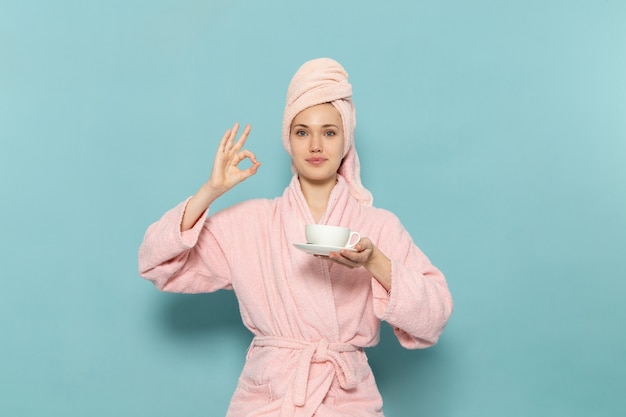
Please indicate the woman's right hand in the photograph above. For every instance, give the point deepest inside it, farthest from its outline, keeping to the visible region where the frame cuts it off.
(225, 174)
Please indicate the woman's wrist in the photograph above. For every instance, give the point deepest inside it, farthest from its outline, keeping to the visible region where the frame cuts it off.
(198, 204)
(379, 265)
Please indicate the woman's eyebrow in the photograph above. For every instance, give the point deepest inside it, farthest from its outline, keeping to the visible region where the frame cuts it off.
(302, 125)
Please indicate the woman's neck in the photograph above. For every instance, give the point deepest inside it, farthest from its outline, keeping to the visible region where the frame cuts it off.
(317, 196)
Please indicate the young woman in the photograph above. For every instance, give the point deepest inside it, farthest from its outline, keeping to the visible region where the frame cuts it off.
(311, 316)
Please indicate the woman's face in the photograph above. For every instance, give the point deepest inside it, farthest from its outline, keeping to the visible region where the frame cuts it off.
(316, 139)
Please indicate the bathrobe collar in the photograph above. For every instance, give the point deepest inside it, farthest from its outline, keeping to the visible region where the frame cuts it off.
(339, 202)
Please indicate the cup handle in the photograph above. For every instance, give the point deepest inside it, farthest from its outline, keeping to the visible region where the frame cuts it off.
(350, 245)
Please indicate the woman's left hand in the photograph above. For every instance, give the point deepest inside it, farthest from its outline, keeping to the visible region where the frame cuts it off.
(355, 258)
(367, 255)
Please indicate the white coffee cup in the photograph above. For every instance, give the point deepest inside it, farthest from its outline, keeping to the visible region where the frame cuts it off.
(321, 234)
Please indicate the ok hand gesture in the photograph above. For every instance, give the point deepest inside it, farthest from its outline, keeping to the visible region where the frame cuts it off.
(226, 172)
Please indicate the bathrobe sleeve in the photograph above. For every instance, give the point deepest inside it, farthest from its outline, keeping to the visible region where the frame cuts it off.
(419, 303)
(186, 262)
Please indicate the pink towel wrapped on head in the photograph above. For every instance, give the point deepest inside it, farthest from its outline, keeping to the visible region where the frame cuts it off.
(319, 81)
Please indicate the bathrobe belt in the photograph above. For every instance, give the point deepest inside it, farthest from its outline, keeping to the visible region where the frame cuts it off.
(312, 352)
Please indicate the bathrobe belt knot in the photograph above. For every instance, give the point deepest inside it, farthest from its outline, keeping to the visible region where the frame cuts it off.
(313, 352)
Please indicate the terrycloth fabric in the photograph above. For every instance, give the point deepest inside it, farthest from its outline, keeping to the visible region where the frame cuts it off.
(311, 353)
(311, 318)
(324, 80)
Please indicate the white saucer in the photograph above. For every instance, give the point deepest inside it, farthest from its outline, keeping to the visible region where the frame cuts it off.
(319, 249)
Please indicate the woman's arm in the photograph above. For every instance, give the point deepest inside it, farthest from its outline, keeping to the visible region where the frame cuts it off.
(413, 296)
(179, 253)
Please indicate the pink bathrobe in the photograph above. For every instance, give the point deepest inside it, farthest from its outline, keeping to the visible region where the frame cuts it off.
(311, 318)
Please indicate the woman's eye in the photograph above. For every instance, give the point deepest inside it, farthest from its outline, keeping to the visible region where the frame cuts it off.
(300, 133)
(330, 133)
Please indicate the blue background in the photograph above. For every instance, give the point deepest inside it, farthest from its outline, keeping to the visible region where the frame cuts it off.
(495, 130)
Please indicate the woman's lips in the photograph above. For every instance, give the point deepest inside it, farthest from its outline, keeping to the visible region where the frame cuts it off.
(316, 161)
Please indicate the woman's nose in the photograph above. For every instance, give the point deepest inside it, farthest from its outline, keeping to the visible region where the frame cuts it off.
(316, 144)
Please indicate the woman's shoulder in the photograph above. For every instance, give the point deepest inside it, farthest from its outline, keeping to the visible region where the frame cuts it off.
(379, 213)
(380, 221)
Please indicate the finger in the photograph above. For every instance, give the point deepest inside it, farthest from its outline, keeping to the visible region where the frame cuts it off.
(243, 138)
(351, 254)
(357, 258)
(363, 244)
(243, 155)
(224, 139)
(247, 173)
(342, 261)
(246, 154)
(231, 138)
(339, 257)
